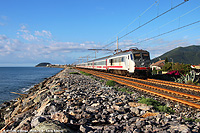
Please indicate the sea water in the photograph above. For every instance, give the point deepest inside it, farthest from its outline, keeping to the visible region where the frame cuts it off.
(20, 79)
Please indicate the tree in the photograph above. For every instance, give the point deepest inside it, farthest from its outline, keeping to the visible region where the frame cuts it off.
(166, 60)
(167, 66)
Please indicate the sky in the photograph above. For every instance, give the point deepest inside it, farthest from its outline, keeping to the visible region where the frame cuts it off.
(62, 31)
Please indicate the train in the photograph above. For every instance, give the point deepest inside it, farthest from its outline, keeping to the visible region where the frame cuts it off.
(133, 62)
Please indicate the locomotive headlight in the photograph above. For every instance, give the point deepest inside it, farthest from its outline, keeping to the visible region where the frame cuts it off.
(142, 64)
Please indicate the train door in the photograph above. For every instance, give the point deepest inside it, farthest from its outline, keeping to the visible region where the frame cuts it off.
(127, 62)
(131, 64)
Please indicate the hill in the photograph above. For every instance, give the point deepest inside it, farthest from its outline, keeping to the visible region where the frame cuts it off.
(44, 64)
(186, 55)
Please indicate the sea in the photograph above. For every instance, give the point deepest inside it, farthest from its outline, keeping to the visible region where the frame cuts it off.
(21, 79)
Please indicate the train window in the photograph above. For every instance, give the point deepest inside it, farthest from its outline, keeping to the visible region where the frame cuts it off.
(131, 57)
(122, 59)
(111, 62)
(145, 56)
(137, 56)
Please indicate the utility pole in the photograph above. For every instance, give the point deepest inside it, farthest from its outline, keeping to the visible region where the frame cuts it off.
(117, 44)
(96, 50)
(172, 63)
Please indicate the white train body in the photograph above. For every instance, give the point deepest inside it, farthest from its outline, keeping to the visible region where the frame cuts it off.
(130, 62)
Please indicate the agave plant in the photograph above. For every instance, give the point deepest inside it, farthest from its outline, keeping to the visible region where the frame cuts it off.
(188, 78)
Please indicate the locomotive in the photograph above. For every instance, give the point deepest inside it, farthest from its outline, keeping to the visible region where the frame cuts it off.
(133, 62)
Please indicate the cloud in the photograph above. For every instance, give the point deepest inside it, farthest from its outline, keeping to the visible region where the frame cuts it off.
(23, 29)
(43, 33)
(3, 37)
(38, 45)
(197, 41)
(28, 35)
(25, 34)
(161, 46)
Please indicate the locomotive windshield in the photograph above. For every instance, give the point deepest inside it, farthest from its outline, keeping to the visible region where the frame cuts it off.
(145, 56)
(138, 56)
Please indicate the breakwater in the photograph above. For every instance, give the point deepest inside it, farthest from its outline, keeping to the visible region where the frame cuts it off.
(20, 79)
(73, 102)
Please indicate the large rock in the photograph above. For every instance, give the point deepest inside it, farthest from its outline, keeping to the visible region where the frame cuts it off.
(51, 126)
(180, 128)
(60, 116)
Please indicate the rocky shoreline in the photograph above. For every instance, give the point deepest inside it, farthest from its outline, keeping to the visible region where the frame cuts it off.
(71, 102)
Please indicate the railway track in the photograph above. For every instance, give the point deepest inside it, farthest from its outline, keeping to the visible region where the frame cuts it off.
(182, 93)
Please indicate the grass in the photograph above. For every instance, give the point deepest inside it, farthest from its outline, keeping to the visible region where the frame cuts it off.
(94, 78)
(101, 81)
(110, 83)
(191, 120)
(127, 90)
(74, 73)
(157, 105)
(87, 74)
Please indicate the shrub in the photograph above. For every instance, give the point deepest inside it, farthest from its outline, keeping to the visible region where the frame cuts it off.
(87, 74)
(110, 83)
(149, 101)
(102, 81)
(127, 90)
(189, 119)
(74, 73)
(123, 89)
(157, 105)
(197, 120)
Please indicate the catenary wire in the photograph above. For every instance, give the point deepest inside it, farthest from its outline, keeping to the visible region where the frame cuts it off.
(167, 32)
(170, 21)
(146, 23)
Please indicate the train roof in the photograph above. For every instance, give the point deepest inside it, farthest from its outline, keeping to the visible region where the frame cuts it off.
(119, 53)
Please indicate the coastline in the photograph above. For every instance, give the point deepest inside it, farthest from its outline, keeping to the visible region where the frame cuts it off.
(21, 79)
(72, 102)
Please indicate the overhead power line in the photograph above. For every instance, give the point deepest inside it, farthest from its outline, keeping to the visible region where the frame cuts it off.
(147, 22)
(170, 21)
(135, 19)
(168, 32)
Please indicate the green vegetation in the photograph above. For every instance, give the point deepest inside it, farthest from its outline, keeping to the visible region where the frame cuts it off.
(127, 90)
(43, 64)
(197, 120)
(101, 81)
(110, 83)
(74, 73)
(191, 120)
(182, 68)
(157, 105)
(186, 55)
(94, 78)
(189, 78)
(87, 74)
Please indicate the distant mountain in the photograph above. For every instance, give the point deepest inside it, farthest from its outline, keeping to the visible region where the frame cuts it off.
(44, 64)
(186, 55)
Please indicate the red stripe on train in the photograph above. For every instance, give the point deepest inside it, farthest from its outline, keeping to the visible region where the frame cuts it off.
(115, 66)
(142, 68)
